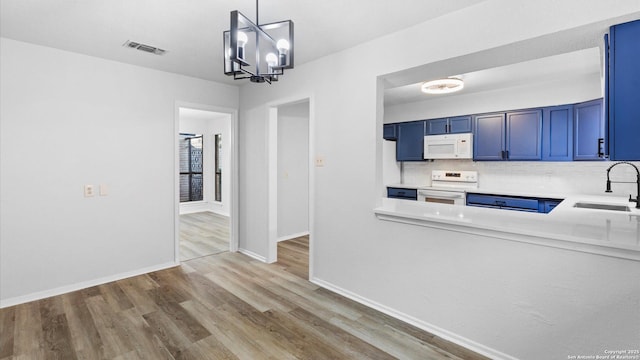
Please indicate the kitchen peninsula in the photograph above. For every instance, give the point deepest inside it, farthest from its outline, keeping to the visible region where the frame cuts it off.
(602, 232)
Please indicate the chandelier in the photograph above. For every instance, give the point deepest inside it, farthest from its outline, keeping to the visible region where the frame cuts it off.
(257, 52)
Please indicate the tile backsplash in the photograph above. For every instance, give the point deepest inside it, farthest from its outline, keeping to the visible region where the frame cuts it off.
(577, 177)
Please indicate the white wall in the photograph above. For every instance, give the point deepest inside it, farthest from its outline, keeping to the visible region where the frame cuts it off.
(504, 298)
(67, 120)
(293, 170)
(208, 124)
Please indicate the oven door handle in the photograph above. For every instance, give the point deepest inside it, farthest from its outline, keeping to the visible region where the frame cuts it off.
(441, 196)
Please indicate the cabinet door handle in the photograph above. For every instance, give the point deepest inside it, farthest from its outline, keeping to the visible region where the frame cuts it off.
(600, 146)
(506, 154)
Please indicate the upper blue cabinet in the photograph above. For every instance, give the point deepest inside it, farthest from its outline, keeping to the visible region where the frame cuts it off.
(410, 141)
(488, 137)
(389, 132)
(452, 125)
(557, 133)
(623, 95)
(588, 125)
(524, 135)
(508, 136)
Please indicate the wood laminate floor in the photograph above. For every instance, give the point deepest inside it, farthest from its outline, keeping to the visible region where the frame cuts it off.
(224, 306)
(203, 233)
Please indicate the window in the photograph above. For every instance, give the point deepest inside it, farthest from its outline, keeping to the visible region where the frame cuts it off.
(191, 181)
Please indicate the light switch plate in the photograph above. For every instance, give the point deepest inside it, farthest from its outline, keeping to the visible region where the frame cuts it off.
(104, 190)
(89, 191)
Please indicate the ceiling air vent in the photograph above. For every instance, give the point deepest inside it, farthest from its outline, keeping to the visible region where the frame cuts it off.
(144, 47)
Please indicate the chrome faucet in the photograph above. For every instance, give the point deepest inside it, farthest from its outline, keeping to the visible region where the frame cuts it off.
(637, 199)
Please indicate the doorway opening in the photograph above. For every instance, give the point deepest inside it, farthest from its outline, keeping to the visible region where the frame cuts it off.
(205, 179)
(290, 181)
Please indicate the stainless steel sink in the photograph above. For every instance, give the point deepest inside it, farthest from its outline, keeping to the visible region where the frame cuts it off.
(612, 207)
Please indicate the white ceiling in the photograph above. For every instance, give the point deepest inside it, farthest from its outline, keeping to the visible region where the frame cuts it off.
(191, 30)
(570, 66)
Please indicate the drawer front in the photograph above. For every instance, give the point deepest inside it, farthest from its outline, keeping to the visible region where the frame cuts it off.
(505, 202)
(400, 193)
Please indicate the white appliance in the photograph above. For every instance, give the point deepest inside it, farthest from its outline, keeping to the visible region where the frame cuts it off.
(449, 187)
(448, 146)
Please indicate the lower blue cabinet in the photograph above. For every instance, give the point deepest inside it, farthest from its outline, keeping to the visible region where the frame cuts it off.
(546, 205)
(402, 193)
(517, 203)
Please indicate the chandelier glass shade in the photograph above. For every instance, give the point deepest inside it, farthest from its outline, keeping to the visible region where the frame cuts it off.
(256, 52)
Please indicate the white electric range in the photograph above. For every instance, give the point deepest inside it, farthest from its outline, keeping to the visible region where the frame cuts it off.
(449, 187)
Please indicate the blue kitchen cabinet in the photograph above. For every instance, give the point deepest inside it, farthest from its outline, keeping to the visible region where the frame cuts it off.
(588, 127)
(402, 193)
(524, 135)
(460, 124)
(517, 203)
(515, 135)
(452, 125)
(436, 126)
(489, 137)
(547, 205)
(623, 95)
(557, 133)
(503, 202)
(410, 141)
(389, 132)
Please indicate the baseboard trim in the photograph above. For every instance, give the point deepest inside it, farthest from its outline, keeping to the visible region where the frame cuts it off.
(219, 212)
(293, 236)
(251, 254)
(442, 333)
(82, 285)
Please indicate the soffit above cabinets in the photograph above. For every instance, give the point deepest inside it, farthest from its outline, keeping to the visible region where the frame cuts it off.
(564, 67)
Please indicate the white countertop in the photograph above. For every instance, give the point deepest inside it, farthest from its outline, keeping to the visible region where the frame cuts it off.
(408, 186)
(605, 232)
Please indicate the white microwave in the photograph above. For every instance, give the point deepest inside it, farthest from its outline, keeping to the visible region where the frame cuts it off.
(448, 146)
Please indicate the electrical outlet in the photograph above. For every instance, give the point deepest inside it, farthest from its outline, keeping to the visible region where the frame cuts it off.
(89, 191)
(319, 161)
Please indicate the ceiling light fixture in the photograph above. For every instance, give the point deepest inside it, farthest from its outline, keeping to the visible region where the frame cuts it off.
(442, 86)
(257, 52)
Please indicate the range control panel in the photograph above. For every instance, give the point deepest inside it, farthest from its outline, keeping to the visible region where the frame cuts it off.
(454, 176)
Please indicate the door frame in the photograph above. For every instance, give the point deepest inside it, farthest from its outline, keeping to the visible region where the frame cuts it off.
(233, 206)
(272, 177)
